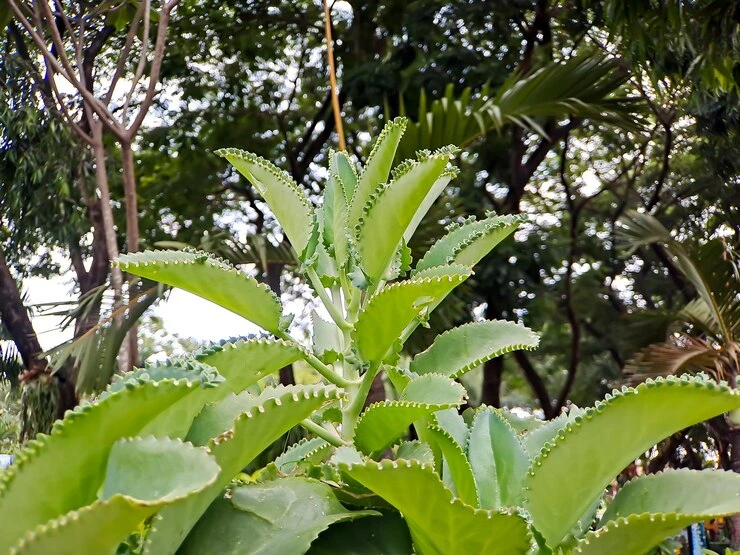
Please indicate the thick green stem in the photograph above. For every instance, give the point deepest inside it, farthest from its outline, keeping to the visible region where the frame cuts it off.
(323, 433)
(357, 396)
(333, 310)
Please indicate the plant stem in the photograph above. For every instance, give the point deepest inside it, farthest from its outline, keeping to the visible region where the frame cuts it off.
(319, 366)
(323, 433)
(334, 312)
(357, 398)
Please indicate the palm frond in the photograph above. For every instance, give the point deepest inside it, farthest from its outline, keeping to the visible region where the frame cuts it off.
(586, 87)
(684, 354)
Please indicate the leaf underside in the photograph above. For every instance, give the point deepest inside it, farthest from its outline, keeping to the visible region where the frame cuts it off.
(211, 279)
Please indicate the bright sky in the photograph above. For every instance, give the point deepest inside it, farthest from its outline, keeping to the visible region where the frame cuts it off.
(183, 314)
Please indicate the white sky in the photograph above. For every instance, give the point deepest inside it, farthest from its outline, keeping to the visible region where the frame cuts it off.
(183, 314)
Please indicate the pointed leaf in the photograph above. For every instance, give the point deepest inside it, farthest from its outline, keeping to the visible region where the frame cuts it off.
(457, 464)
(376, 169)
(633, 420)
(84, 440)
(381, 424)
(135, 487)
(440, 524)
(498, 460)
(281, 516)
(466, 347)
(535, 439)
(250, 434)
(468, 242)
(210, 278)
(652, 508)
(389, 312)
(390, 211)
(246, 361)
(283, 195)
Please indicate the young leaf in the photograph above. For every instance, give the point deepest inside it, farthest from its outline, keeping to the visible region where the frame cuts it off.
(466, 347)
(468, 242)
(498, 460)
(383, 423)
(390, 211)
(599, 444)
(281, 516)
(135, 487)
(377, 168)
(389, 312)
(210, 278)
(440, 524)
(283, 195)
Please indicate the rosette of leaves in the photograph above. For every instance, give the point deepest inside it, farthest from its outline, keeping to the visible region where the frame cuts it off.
(481, 482)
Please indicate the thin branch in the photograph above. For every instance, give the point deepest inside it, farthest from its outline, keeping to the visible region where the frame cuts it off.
(333, 78)
(123, 57)
(142, 59)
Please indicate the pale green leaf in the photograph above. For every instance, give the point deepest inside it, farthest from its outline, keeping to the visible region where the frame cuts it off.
(382, 424)
(440, 524)
(456, 465)
(468, 242)
(281, 516)
(250, 434)
(466, 347)
(210, 278)
(82, 440)
(283, 195)
(598, 445)
(498, 460)
(390, 211)
(390, 311)
(135, 487)
(376, 169)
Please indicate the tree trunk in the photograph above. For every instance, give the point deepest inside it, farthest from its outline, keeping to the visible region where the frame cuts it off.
(734, 441)
(274, 271)
(132, 232)
(492, 371)
(45, 396)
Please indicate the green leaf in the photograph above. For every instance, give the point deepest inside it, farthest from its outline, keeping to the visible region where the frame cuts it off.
(135, 488)
(536, 438)
(82, 440)
(440, 524)
(283, 195)
(466, 347)
(652, 508)
(381, 424)
(468, 242)
(384, 535)
(599, 444)
(308, 449)
(210, 278)
(498, 460)
(376, 169)
(456, 464)
(251, 432)
(282, 516)
(390, 211)
(390, 311)
(246, 361)
(326, 339)
(416, 450)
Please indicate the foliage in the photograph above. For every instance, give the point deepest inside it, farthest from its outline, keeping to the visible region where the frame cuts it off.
(483, 481)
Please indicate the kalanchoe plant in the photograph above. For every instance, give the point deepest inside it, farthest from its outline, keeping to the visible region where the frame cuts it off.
(484, 481)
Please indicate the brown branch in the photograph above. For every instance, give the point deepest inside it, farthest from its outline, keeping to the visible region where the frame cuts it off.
(535, 382)
(333, 78)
